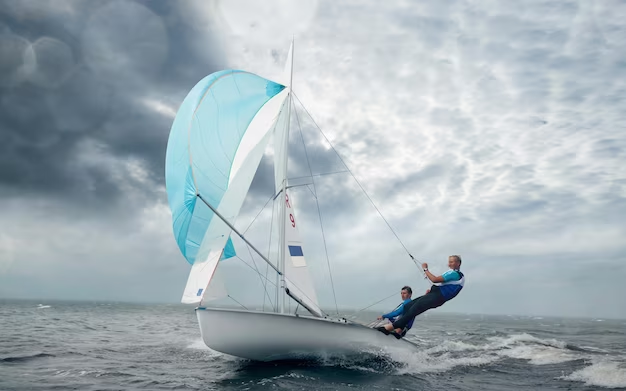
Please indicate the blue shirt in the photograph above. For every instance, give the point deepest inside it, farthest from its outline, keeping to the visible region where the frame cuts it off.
(395, 314)
(453, 281)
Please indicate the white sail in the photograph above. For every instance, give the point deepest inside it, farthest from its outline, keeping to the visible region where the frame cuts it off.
(297, 277)
(201, 273)
(216, 289)
(296, 274)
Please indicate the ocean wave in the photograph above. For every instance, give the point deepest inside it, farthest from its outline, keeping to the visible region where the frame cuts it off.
(77, 373)
(425, 363)
(590, 349)
(511, 340)
(608, 374)
(538, 355)
(26, 358)
(450, 354)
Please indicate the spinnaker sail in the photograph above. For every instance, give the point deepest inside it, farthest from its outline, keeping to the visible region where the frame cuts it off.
(215, 145)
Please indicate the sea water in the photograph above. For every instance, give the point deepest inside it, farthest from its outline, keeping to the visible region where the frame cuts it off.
(119, 346)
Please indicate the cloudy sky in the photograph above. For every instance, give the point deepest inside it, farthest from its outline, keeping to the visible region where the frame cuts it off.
(478, 128)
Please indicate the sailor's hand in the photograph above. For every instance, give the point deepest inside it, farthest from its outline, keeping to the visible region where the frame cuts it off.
(424, 265)
(427, 290)
(380, 318)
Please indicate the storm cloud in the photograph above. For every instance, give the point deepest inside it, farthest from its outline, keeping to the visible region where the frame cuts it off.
(477, 128)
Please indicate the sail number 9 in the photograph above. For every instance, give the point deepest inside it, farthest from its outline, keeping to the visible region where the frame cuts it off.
(293, 220)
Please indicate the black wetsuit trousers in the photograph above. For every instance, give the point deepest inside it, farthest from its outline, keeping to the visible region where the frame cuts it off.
(433, 299)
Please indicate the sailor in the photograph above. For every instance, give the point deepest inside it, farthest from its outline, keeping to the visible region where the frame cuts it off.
(394, 315)
(445, 288)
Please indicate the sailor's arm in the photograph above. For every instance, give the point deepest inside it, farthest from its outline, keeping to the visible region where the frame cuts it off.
(431, 276)
(396, 312)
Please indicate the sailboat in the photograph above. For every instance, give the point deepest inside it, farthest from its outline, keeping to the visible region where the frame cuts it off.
(215, 145)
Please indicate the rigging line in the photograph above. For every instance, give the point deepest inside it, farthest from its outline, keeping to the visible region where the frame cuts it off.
(247, 264)
(269, 250)
(258, 214)
(319, 212)
(379, 301)
(314, 195)
(322, 174)
(305, 295)
(277, 290)
(265, 288)
(357, 181)
(257, 270)
(238, 302)
(225, 221)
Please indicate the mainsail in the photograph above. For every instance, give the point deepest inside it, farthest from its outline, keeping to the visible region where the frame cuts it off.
(297, 278)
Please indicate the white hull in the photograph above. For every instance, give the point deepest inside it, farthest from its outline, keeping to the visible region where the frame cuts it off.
(266, 336)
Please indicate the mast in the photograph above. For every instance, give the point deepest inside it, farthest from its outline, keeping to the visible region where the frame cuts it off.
(283, 206)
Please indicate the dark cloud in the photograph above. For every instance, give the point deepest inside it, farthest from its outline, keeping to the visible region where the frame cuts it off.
(95, 72)
(262, 185)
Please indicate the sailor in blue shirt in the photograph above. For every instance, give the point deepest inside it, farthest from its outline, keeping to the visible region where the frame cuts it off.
(445, 287)
(394, 315)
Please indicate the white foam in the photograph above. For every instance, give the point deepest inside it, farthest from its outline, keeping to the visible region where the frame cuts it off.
(41, 306)
(441, 358)
(292, 375)
(450, 354)
(198, 344)
(539, 355)
(607, 374)
(516, 339)
(425, 363)
(456, 346)
(536, 350)
(75, 373)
